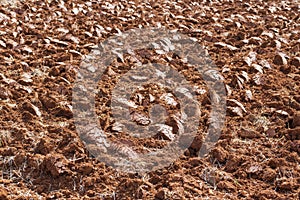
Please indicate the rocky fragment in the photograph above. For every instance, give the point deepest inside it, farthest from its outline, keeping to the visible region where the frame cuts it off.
(140, 118)
(280, 59)
(233, 102)
(235, 111)
(249, 134)
(166, 132)
(253, 169)
(248, 95)
(250, 58)
(25, 79)
(31, 108)
(230, 47)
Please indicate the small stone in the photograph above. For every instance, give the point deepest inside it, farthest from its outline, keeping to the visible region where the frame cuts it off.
(140, 118)
(117, 127)
(166, 133)
(248, 95)
(254, 169)
(25, 79)
(271, 132)
(280, 59)
(31, 108)
(250, 134)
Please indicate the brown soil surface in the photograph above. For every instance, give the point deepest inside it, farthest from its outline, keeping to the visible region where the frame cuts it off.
(256, 46)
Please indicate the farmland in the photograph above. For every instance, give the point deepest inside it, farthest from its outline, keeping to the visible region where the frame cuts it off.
(255, 47)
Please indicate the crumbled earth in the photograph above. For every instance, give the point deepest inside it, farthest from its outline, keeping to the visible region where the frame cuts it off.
(256, 46)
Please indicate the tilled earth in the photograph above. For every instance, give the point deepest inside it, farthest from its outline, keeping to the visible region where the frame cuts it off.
(256, 47)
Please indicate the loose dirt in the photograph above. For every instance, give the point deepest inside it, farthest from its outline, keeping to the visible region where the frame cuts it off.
(256, 48)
